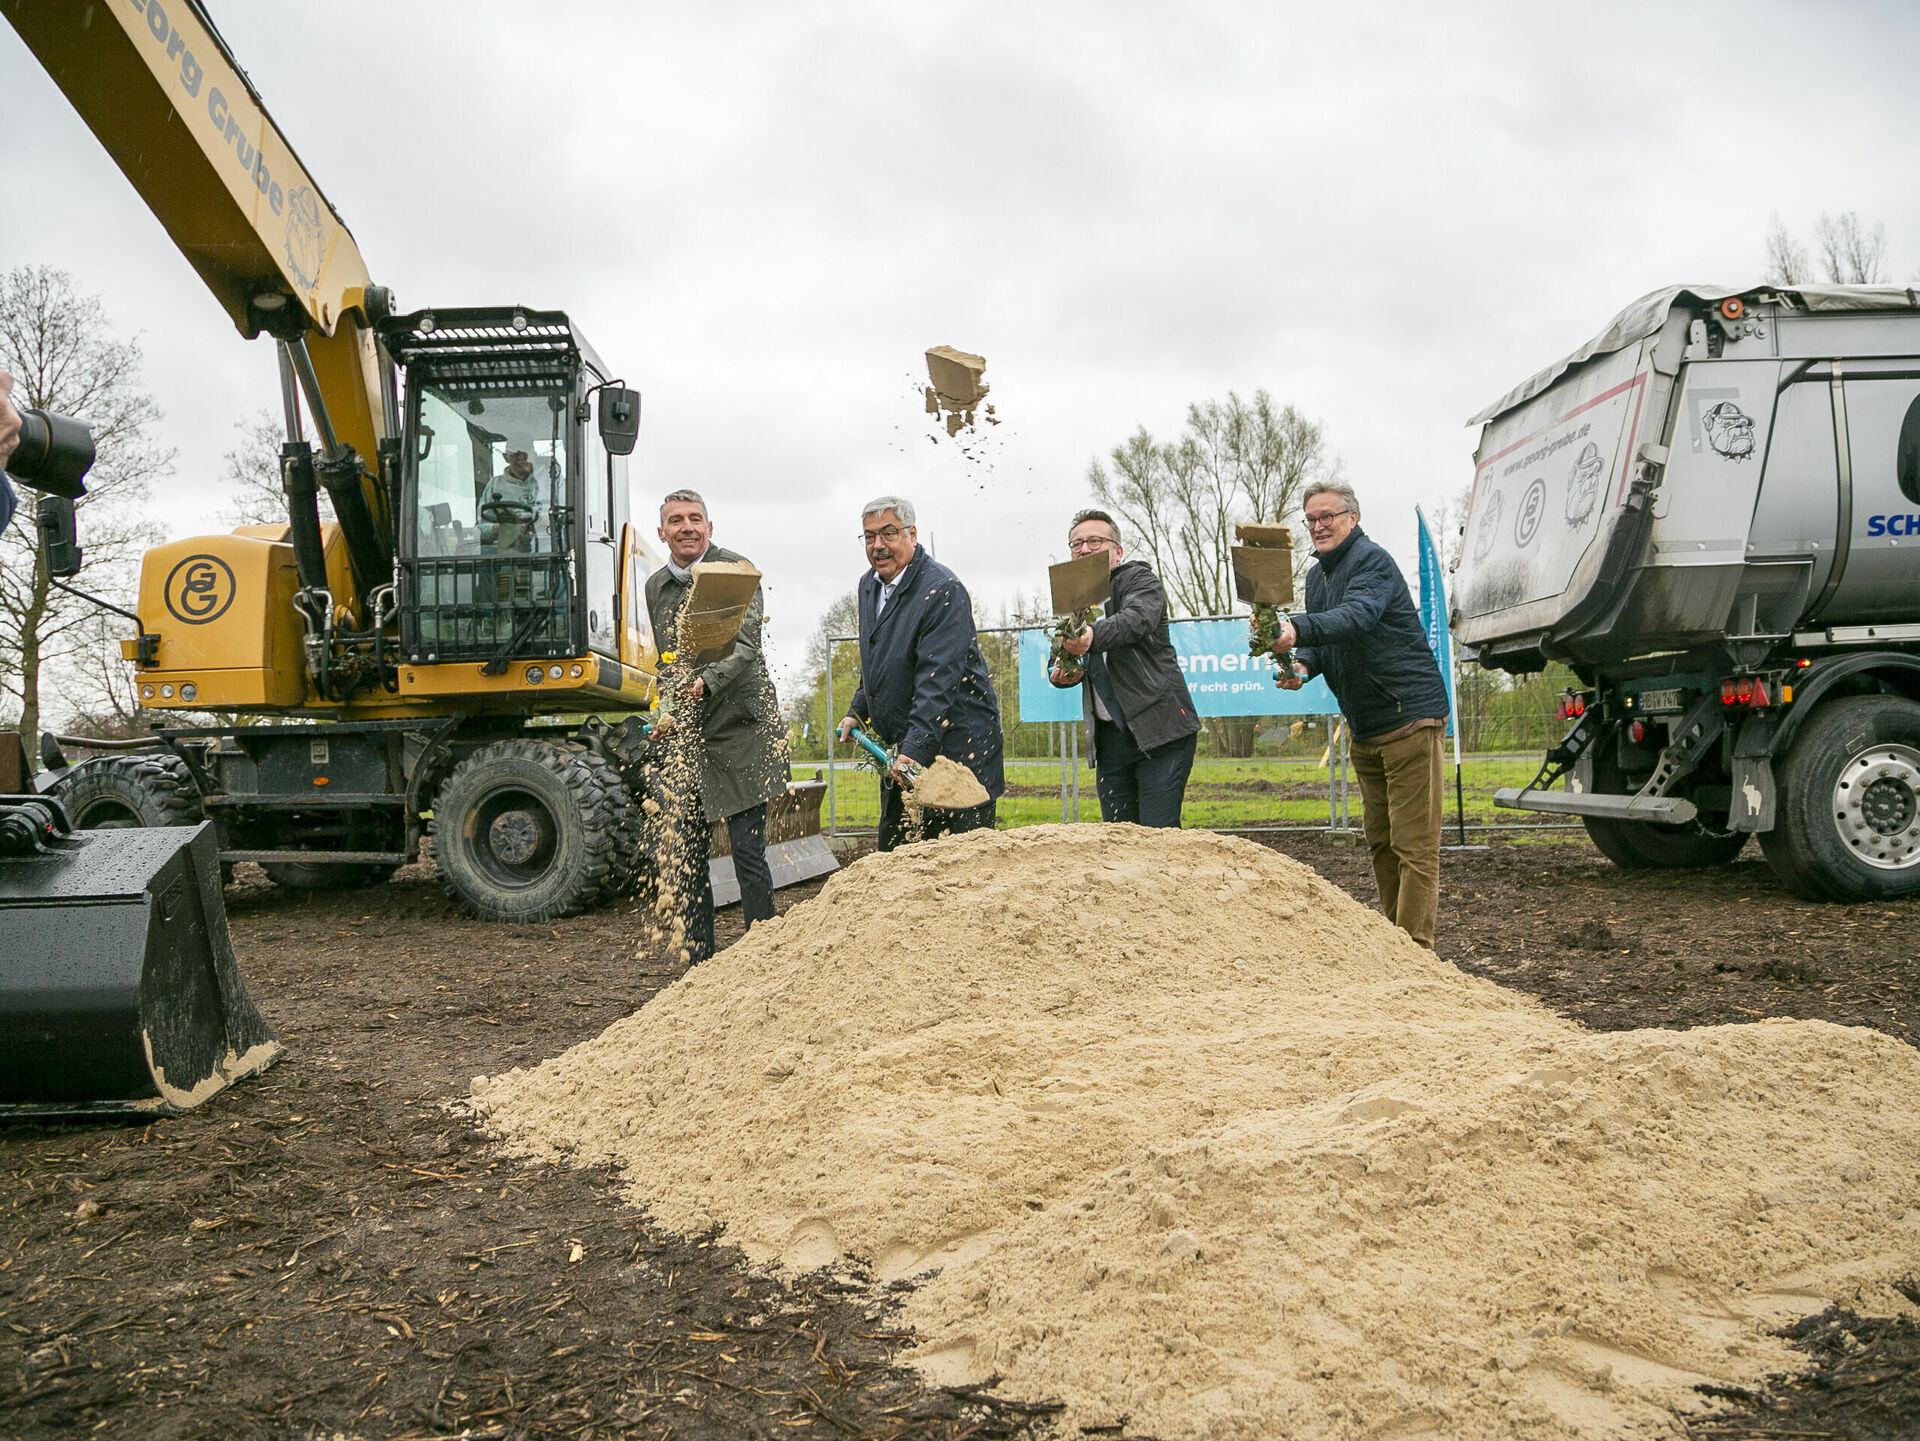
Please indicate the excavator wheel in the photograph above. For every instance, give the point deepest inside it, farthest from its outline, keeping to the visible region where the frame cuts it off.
(122, 792)
(528, 830)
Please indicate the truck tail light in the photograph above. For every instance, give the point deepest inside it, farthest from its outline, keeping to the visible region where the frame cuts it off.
(1637, 732)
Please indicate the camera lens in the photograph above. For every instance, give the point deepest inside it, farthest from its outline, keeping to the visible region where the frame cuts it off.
(54, 454)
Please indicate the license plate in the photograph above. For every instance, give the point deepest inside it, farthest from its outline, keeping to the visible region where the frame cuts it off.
(1675, 699)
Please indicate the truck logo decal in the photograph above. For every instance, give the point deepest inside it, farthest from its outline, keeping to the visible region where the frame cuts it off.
(1583, 484)
(1526, 520)
(1729, 430)
(305, 238)
(1893, 525)
(1489, 526)
(199, 589)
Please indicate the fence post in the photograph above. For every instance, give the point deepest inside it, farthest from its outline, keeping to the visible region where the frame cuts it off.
(833, 720)
(1074, 733)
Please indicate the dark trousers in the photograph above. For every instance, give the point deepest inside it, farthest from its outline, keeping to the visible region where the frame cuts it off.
(1144, 787)
(691, 881)
(747, 835)
(894, 830)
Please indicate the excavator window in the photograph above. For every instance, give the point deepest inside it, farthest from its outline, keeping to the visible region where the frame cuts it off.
(493, 523)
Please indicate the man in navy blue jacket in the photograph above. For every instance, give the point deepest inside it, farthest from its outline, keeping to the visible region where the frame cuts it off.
(1361, 631)
(923, 682)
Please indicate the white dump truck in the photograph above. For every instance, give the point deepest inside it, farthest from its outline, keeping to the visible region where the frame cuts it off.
(1711, 513)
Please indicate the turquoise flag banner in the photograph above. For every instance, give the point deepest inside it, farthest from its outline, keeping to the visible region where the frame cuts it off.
(1433, 609)
(1222, 678)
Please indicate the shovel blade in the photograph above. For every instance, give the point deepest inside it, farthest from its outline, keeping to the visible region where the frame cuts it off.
(1077, 584)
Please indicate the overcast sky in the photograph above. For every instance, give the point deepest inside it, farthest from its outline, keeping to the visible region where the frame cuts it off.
(762, 214)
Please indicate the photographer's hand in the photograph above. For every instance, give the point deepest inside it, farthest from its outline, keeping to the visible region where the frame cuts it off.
(9, 420)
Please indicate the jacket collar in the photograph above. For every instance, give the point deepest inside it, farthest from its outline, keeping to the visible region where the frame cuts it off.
(909, 576)
(1330, 562)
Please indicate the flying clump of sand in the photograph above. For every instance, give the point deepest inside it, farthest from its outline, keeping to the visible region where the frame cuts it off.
(1173, 1130)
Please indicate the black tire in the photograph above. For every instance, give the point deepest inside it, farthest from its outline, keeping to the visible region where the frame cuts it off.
(529, 830)
(302, 876)
(1641, 845)
(1847, 824)
(125, 792)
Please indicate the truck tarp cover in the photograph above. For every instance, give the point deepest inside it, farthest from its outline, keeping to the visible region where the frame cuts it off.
(1556, 456)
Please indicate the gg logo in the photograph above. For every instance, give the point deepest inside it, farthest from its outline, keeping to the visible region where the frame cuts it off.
(199, 589)
(1533, 505)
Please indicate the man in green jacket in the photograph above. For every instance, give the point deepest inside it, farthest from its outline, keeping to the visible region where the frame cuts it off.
(727, 750)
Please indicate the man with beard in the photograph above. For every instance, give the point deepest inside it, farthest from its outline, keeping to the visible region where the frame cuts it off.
(923, 681)
(735, 749)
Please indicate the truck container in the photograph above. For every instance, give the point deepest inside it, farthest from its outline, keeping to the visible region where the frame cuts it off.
(1711, 513)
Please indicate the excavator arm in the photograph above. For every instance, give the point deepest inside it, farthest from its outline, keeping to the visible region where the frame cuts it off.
(157, 85)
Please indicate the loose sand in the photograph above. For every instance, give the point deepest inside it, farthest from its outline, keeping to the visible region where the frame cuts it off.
(946, 785)
(1173, 1130)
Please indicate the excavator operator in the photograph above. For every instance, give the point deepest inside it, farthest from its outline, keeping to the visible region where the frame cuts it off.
(511, 510)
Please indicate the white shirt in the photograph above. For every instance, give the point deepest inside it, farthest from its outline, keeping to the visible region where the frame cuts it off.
(685, 577)
(887, 588)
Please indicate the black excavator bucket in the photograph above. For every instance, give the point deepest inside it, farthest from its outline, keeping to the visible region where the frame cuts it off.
(118, 989)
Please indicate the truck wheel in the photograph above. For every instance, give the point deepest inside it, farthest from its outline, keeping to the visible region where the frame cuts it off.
(634, 843)
(1639, 845)
(1848, 826)
(527, 830)
(302, 876)
(124, 792)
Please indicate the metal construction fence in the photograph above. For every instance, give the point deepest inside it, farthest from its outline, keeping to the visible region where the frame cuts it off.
(1251, 772)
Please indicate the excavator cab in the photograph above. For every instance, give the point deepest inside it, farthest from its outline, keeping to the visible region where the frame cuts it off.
(513, 490)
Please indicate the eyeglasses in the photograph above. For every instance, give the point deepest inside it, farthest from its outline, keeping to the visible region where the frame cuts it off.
(1321, 522)
(889, 534)
(1091, 542)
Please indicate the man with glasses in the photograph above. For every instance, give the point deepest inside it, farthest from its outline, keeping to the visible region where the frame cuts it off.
(1136, 705)
(1361, 631)
(923, 682)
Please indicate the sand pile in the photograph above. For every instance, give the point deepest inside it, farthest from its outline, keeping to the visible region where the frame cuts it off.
(1184, 1134)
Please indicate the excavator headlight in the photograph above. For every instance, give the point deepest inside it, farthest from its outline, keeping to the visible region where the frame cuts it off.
(166, 692)
(576, 671)
(535, 675)
(556, 671)
(189, 691)
(146, 692)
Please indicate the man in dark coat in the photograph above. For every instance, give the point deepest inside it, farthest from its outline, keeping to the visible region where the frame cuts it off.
(923, 682)
(1135, 702)
(736, 761)
(1361, 631)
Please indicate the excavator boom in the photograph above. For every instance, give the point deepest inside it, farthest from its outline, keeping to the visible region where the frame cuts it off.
(158, 86)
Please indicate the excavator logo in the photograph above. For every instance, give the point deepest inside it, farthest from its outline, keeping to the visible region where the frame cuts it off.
(199, 589)
(306, 240)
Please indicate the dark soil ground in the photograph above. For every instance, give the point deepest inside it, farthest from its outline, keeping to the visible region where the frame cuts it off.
(328, 1251)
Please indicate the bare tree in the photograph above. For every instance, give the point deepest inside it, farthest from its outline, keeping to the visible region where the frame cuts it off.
(1236, 460)
(65, 357)
(1850, 255)
(256, 496)
(1787, 262)
(1847, 252)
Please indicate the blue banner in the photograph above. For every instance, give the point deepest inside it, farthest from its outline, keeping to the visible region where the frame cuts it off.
(1222, 678)
(1433, 609)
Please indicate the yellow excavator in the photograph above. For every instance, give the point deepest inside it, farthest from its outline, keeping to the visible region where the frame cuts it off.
(457, 658)
(480, 583)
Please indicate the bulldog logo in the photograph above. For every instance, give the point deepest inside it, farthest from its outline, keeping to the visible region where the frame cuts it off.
(305, 237)
(1583, 485)
(1729, 430)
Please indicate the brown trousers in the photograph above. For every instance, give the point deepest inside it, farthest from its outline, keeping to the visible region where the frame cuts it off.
(1400, 787)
